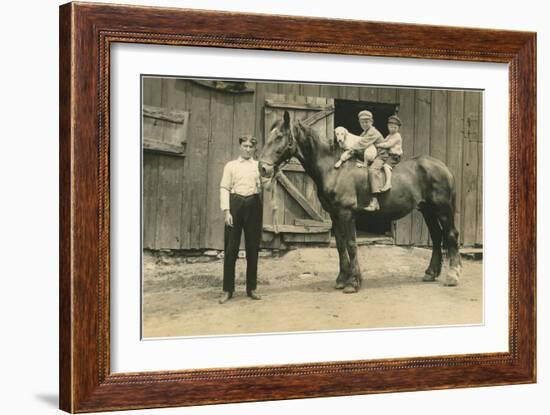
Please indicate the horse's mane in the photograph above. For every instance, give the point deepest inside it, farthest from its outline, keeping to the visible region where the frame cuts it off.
(325, 143)
(309, 132)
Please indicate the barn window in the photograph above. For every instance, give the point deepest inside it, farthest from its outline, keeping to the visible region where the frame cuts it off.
(164, 130)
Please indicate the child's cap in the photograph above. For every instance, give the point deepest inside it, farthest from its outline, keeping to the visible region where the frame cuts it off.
(394, 119)
(365, 114)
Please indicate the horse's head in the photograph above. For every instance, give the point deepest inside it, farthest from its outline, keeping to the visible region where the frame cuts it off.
(280, 146)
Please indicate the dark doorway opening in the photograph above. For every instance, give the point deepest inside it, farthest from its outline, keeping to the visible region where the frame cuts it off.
(345, 115)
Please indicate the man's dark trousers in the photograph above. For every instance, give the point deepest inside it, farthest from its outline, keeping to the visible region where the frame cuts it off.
(247, 216)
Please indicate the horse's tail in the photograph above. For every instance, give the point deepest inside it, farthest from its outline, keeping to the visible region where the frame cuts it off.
(439, 189)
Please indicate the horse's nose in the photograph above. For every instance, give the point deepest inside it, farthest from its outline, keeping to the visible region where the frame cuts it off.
(265, 170)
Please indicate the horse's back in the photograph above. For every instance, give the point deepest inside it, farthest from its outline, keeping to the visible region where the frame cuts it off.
(433, 178)
(415, 182)
(425, 165)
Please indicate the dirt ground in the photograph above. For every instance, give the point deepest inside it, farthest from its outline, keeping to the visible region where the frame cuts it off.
(181, 298)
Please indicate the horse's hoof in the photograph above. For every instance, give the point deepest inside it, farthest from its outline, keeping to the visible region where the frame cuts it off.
(428, 278)
(350, 289)
(452, 277)
(339, 285)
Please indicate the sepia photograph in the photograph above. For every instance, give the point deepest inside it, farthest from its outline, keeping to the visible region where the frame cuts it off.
(277, 207)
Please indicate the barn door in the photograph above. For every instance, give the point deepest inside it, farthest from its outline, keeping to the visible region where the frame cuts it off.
(292, 211)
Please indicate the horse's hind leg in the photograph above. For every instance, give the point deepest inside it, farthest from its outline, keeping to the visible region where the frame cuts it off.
(446, 218)
(436, 233)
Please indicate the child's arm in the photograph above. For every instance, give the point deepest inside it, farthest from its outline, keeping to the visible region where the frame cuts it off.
(364, 143)
(390, 142)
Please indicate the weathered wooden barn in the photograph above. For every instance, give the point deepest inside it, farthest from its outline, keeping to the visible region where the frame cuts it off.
(190, 130)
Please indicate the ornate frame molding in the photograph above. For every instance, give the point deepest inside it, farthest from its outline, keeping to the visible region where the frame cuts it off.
(86, 33)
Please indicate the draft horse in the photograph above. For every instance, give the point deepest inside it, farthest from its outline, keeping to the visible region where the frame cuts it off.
(422, 183)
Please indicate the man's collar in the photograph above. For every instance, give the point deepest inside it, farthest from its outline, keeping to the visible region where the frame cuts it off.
(241, 159)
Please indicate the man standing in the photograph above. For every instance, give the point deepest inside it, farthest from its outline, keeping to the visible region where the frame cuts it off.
(241, 203)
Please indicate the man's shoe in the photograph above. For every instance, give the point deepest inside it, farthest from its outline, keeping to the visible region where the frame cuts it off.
(226, 297)
(252, 294)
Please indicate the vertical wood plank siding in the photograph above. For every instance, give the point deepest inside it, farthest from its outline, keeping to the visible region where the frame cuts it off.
(455, 141)
(479, 198)
(181, 197)
(472, 104)
(403, 227)
(220, 150)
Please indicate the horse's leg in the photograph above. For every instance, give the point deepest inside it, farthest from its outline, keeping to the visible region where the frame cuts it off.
(436, 233)
(353, 283)
(446, 218)
(342, 253)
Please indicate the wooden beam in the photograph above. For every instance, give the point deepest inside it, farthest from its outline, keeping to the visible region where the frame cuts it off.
(315, 238)
(233, 87)
(150, 144)
(298, 196)
(298, 106)
(317, 116)
(309, 222)
(296, 229)
(178, 117)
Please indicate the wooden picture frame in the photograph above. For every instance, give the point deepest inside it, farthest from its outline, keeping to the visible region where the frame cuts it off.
(86, 33)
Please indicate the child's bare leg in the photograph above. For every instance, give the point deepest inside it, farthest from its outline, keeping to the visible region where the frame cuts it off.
(346, 155)
(387, 185)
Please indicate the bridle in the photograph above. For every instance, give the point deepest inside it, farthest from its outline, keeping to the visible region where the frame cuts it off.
(291, 148)
(291, 145)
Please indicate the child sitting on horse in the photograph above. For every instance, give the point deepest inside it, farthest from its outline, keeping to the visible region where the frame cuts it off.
(389, 154)
(347, 141)
(392, 144)
(364, 146)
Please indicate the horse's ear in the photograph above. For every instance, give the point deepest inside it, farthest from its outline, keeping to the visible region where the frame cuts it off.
(286, 119)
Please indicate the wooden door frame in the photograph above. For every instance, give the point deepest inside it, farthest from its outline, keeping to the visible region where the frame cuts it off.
(316, 224)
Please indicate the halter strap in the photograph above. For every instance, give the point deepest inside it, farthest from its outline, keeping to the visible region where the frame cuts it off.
(293, 142)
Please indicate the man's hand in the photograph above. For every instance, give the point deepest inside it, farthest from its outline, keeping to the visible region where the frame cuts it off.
(228, 218)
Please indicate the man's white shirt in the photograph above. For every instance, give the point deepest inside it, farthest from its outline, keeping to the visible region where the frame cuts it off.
(240, 176)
